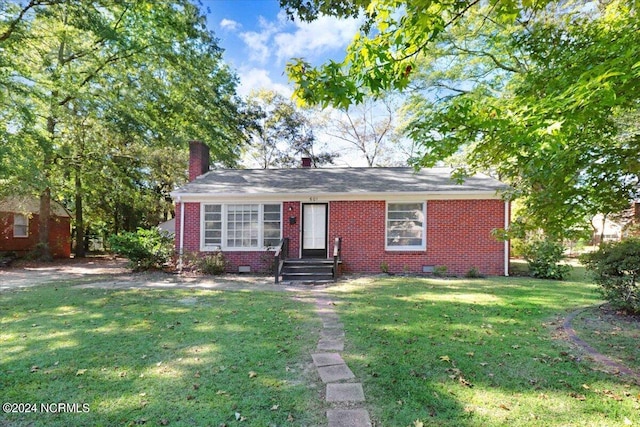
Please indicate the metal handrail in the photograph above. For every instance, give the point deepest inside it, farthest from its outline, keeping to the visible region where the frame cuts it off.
(337, 254)
(280, 255)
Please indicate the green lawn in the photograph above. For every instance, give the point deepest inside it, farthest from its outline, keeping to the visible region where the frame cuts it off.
(432, 352)
(486, 352)
(158, 357)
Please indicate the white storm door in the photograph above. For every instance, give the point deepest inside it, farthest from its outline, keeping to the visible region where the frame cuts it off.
(314, 230)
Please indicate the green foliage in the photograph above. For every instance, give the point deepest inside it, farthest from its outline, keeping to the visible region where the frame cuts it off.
(144, 249)
(440, 270)
(384, 267)
(473, 273)
(542, 94)
(283, 133)
(543, 257)
(98, 103)
(214, 264)
(616, 268)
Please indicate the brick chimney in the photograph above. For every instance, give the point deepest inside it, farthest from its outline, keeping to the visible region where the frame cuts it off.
(198, 159)
(306, 162)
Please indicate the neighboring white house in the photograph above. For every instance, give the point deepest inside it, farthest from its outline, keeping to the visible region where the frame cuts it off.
(610, 230)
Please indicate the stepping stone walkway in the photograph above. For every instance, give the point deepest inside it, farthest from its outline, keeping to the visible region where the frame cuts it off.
(343, 393)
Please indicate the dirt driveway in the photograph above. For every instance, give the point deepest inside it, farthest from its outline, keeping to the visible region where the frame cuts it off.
(111, 273)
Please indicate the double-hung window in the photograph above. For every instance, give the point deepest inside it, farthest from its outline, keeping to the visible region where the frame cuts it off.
(241, 226)
(406, 226)
(20, 225)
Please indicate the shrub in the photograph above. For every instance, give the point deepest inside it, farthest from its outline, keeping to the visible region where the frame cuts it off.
(211, 264)
(473, 273)
(440, 270)
(616, 267)
(144, 249)
(384, 267)
(543, 257)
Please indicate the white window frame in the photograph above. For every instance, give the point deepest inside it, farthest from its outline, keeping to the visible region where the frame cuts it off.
(224, 209)
(25, 225)
(409, 248)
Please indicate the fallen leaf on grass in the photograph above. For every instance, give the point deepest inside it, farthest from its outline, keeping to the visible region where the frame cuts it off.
(275, 407)
(418, 423)
(252, 374)
(219, 392)
(290, 418)
(581, 397)
(445, 358)
(505, 407)
(34, 368)
(80, 372)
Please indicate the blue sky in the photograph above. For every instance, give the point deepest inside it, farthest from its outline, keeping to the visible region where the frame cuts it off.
(259, 40)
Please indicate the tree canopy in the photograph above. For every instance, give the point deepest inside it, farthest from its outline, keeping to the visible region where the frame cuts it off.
(99, 100)
(541, 94)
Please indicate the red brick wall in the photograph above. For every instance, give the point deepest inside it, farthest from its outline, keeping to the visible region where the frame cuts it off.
(191, 227)
(292, 231)
(198, 159)
(59, 235)
(458, 237)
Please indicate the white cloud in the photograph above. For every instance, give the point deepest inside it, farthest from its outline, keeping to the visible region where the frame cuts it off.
(230, 24)
(284, 39)
(258, 78)
(259, 42)
(314, 38)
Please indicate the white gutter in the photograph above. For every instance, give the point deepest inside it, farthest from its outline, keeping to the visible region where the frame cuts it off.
(181, 246)
(323, 197)
(506, 242)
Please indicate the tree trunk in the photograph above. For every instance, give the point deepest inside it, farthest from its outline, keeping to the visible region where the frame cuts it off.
(80, 248)
(604, 222)
(43, 251)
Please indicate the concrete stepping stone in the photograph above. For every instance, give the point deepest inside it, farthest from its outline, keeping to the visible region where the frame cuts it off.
(334, 373)
(332, 334)
(327, 359)
(350, 392)
(331, 324)
(327, 344)
(348, 418)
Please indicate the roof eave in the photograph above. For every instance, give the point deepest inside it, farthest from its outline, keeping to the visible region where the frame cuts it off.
(325, 197)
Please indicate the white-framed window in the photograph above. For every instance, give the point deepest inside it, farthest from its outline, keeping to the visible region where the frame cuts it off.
(20, 225)
(406, 227)
(246, 226)
(212, 225)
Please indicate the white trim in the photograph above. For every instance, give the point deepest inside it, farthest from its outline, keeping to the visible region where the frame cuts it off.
(223, 217)
(335, 197)
(506, 242)
(181, 245)
(420, 248)
(25, 225)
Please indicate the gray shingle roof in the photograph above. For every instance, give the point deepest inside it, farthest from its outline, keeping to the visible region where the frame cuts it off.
(346, 181)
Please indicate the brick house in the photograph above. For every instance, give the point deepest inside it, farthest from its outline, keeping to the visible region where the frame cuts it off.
(19, 224)
(392, 219)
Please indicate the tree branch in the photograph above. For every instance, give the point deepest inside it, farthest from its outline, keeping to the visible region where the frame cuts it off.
(14, 24)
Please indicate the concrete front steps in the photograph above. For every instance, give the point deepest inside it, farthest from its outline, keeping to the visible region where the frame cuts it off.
(308, 270)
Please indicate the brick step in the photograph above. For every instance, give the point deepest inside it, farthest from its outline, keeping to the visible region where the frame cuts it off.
(308, 270)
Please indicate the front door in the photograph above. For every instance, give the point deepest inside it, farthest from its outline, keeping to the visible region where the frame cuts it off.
(314, 230)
